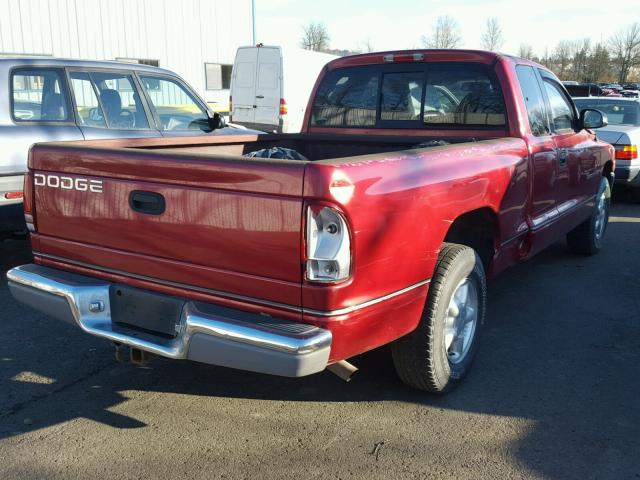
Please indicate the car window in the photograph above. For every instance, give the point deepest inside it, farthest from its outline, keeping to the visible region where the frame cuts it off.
(462, 95)
(346, 98)
(120, 100)
(39, 95)
(562, 116)
(87, 106)
(401, 96)
(617, 112)
(533, 100)
(174, 105)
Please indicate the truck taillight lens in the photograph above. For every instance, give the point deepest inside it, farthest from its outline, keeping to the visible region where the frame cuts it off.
(230, 104)
(626, 152)
(328, 245)
(283, 107)
(29, 213)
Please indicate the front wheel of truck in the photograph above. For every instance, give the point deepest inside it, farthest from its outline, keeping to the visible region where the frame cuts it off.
(587, 238)
(439, 352)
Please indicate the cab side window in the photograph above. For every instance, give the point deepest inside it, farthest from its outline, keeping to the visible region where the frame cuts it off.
(39, 95)
(533, 100)
(562, 115)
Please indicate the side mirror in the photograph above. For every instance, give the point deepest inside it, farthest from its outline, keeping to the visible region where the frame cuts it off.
(217, 121)
(592, 118)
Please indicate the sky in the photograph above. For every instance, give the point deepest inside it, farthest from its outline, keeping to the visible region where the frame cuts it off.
(400, 24)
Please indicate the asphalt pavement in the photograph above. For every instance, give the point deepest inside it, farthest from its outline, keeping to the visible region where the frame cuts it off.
(554, 393)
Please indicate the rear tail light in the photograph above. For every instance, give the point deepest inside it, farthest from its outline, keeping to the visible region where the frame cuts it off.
(328, 245)
(626, 152)
(230, 104)
(28, 202)
(283, 107)
(13, 195)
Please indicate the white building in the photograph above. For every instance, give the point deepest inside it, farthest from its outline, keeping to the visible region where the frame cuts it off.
(195, 38)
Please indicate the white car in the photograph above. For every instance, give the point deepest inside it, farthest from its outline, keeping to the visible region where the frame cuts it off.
(623, 132)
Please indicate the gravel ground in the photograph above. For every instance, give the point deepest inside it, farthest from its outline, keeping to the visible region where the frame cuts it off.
(554, 393)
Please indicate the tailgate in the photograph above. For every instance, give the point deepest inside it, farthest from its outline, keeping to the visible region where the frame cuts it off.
(227, 225)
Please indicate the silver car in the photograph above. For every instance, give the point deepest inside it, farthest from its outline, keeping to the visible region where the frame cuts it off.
(50, 99)
(623, 132)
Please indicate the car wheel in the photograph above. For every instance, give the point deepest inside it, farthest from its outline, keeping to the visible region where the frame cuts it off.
(587, 238)
(439, 352)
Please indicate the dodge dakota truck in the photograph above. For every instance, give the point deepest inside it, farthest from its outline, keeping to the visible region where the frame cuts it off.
(420, 174)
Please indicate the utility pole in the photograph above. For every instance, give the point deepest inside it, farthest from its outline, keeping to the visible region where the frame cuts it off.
(253, 22)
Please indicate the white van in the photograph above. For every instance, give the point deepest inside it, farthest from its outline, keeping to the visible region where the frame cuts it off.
(270, 86)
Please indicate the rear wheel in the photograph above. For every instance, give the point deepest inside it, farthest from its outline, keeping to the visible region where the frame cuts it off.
(587, 238)
(439, 353)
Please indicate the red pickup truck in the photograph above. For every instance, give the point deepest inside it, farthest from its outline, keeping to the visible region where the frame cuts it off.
(421, 174)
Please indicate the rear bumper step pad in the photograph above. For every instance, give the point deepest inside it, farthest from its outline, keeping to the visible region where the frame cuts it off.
(206, 333)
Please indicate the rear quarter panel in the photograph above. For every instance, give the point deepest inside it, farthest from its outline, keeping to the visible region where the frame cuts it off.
(404, 203)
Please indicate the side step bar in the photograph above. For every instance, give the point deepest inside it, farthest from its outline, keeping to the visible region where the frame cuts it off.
(206, 332)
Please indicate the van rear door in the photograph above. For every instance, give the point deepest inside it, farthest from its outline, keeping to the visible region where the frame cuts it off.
(243, 86)
(268, 86)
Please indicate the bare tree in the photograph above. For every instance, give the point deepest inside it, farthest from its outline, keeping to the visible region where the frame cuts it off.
(492, 37)
(525, 51)
(366, 46)
(580, 57)
(562, 57)
(598, 67)
(315, 36)
(625, 49)
(446, 34)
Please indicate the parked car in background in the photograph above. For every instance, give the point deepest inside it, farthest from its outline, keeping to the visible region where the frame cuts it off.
(583, 89)
(50, 99)
(417, 175)
(623, 132)
(270, 86)
(630, 93)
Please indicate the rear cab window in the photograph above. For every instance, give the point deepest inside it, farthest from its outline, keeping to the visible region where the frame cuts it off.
(435, 95)
(39, 95)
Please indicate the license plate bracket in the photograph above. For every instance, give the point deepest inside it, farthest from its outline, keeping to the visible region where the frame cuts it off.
(153, 312)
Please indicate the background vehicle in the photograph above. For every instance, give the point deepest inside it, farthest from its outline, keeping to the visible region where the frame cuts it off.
(425, 172)
(270, 86)
(623, 132)
(584, 89)
(55, 99)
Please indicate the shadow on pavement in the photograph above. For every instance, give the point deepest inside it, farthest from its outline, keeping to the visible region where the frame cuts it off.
(561, 349)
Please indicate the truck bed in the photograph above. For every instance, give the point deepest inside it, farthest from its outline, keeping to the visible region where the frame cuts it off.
(312, 146)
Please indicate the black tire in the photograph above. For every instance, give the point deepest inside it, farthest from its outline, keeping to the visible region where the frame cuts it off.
(587, 238)
(421, 358)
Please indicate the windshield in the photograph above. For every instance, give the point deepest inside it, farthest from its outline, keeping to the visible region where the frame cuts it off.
(617, 112)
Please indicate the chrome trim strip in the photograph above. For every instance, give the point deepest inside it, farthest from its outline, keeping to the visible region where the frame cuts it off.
(235, 296)
(550, 216)
(81, 297)
(342, 311)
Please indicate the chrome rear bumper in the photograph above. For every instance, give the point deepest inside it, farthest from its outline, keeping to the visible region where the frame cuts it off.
(205, 332)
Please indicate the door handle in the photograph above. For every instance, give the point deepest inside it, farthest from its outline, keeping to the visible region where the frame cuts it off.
(150, 203)
(259, 96)
(563, 155)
